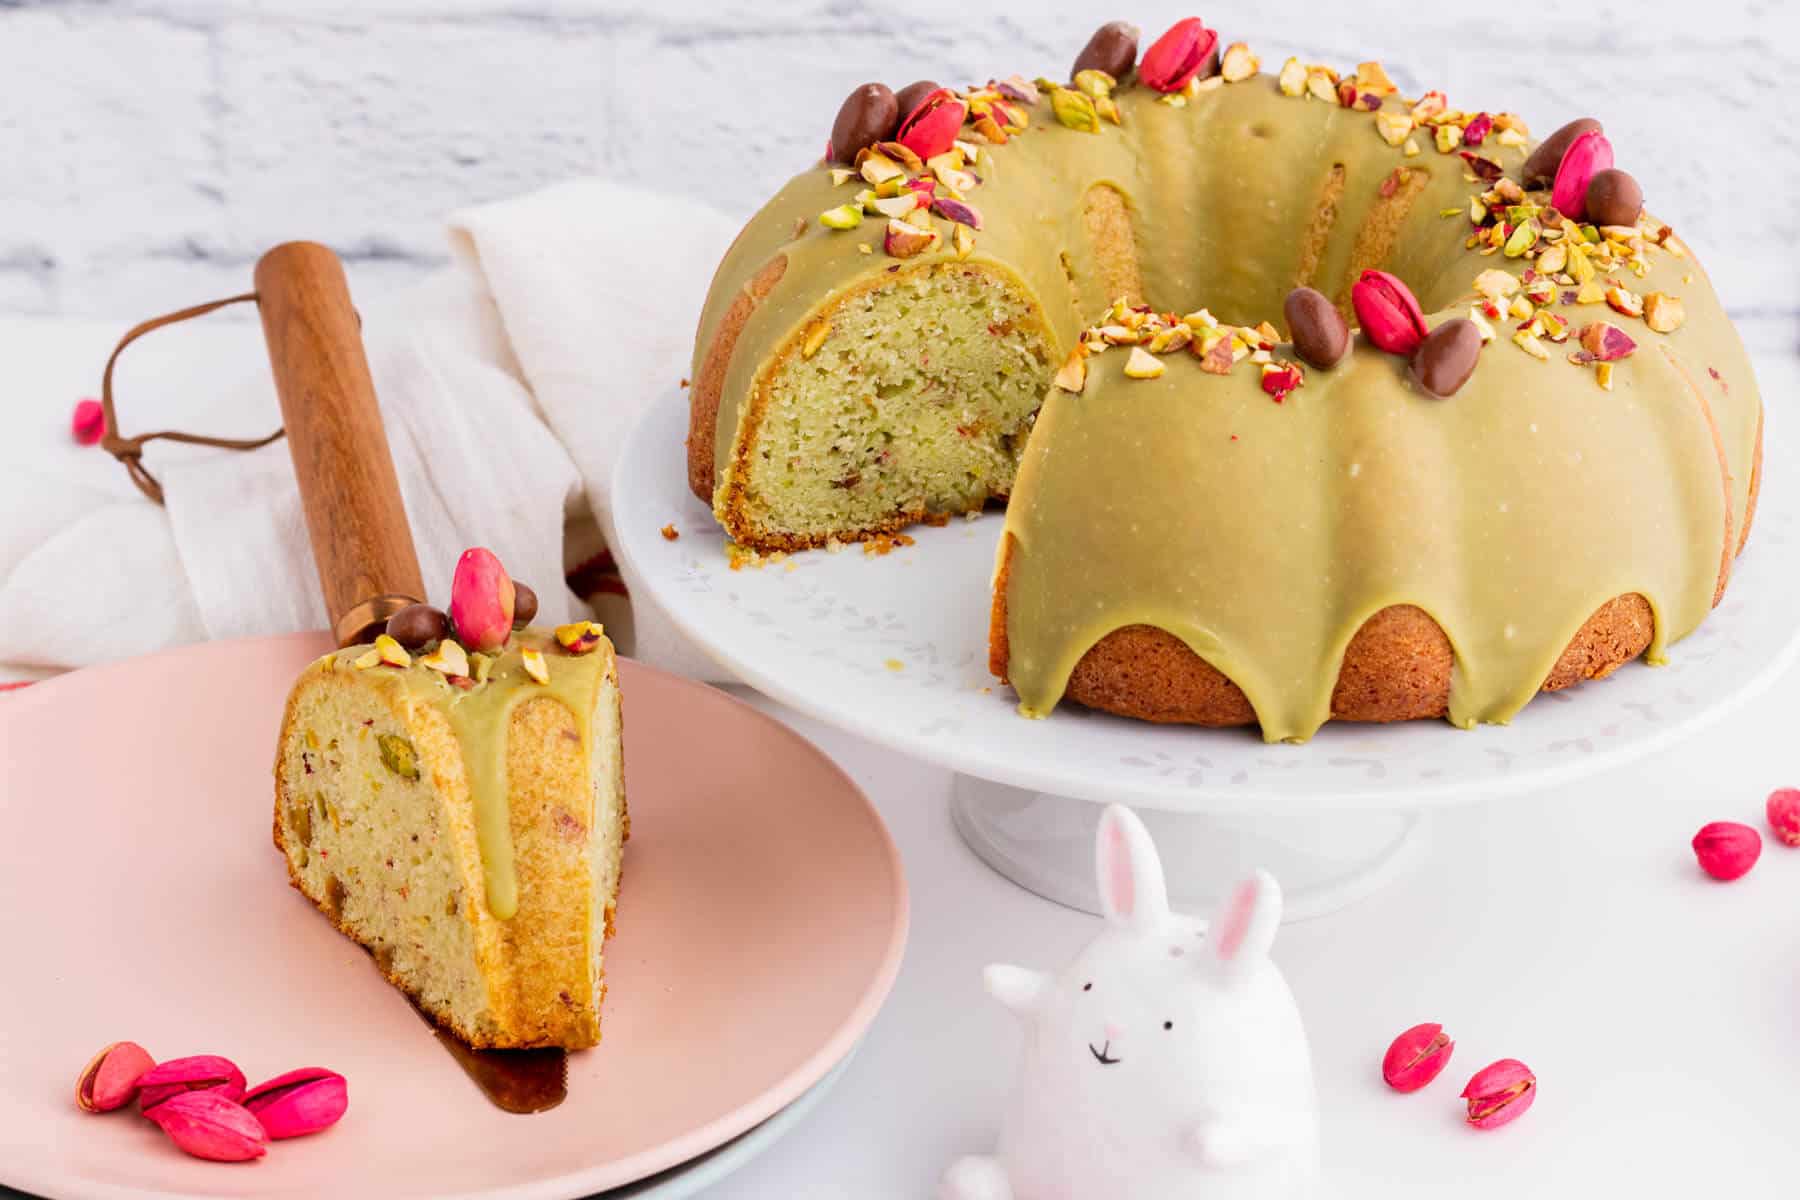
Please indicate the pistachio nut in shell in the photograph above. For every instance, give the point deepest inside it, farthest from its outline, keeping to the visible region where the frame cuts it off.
(908, 98)
(1783, 810)
(110, 1080)
(195, 1073)
(1727, 850)
(930, 129)
(1416, 1057)
(1388, 312)
(299, 1102)
(1587, 156)
(1500, 1093)
(1540, 167)
(212, 1126)
(481, 600)
(1187, 50)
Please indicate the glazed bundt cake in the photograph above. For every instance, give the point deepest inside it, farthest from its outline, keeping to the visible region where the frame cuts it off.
(1503, 437)
(461, 815)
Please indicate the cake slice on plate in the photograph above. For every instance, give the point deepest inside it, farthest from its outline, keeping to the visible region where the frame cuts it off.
(461, 814)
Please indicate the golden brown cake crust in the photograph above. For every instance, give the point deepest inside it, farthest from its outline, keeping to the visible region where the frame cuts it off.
(1397, 667)
(732, 505)
(703, 396)
(540, 989)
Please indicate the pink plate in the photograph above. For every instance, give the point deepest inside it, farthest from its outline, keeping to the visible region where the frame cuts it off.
(760, 927)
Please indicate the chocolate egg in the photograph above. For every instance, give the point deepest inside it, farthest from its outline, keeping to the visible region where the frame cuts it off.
(417, 625)
(869, 115)
(1614, 198)
(525, 605)
(1320, 334)
(1447, 357)
(1112, 49)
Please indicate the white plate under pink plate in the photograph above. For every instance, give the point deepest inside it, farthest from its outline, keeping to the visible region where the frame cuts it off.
(760, 927)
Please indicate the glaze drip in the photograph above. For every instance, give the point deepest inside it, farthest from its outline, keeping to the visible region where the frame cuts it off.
(480, 717)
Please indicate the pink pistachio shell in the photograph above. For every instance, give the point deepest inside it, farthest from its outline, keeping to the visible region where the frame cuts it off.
(481, 601)
(111, 1080)
(1476, 131)
(1587, 155)
(1416, 1057)
(1178, 55)
(1500, 1093)
(1726, 849)
(199, 1072)
(1388, 313)
(88, 422)
(208, 1125)
(299, 1102)
(1784, 814)
(930, 129)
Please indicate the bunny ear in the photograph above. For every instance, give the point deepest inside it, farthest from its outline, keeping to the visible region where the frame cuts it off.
(1240, 935)
(1018, 988)
(1129, 872)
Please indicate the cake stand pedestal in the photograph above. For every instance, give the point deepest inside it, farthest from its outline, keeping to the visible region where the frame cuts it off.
(893, 648)
(1045, 844)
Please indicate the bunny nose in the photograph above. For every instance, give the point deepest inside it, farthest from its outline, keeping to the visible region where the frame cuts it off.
(1114, 1033)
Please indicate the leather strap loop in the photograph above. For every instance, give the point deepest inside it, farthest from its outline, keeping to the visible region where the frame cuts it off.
(130, 451)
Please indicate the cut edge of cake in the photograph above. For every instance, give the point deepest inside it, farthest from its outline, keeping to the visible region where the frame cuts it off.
(372, 752)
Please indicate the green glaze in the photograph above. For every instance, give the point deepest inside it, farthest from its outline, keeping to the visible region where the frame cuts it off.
(480, 718)
(1264, 534)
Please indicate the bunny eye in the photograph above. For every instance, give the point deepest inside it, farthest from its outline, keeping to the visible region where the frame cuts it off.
(1168, 1024)
(1087, 987)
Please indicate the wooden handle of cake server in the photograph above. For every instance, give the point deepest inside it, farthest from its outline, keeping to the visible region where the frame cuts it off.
(360, 537)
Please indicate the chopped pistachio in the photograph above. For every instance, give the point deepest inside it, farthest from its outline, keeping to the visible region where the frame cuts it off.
(1073, 375)
(1292, 79)
(844, 216)
(964, 241)
(1663, 312)
(1143, 365)
(1394, 127)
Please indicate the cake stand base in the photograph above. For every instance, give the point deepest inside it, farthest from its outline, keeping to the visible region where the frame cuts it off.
(1325, 861)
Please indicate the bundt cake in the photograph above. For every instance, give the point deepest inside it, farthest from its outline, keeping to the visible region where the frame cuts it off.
(461, 815)
(1504, 437)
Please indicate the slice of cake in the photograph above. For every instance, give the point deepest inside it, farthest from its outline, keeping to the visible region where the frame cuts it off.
(461, 815)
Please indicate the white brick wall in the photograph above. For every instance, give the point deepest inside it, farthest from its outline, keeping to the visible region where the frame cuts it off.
(150, 149)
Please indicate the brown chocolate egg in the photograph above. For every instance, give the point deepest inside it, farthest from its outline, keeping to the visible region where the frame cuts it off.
(1447, 357)
(1614, 198)
(525, 605)
(1321, 335)
(1112, 49)
(417, 625)
(869, 115)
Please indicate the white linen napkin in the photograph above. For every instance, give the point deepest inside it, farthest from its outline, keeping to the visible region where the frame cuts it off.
(506, 383)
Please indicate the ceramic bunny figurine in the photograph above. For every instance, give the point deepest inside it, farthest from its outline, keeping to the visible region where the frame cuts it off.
(1167, 1061)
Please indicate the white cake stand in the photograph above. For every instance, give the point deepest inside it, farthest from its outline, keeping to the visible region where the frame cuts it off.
(894, 649)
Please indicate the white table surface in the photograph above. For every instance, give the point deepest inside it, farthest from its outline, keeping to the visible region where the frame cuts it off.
(1659, 1009)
